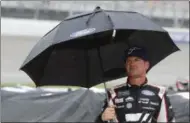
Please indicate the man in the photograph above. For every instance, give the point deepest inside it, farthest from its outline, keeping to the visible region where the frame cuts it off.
(136, 100)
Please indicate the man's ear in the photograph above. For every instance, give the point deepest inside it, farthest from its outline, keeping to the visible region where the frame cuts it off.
(147, 65)
(125, 63)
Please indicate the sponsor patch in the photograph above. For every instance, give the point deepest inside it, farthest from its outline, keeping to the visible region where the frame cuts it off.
(119, 100)
(134, 117)
(147, 93)
(129, 99)
(154, 103)
(129, 105)
(148, 108)
(120, 106)
(123, 93)
(143, 100)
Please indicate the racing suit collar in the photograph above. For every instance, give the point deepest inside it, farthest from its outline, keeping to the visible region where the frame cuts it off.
(143, 84)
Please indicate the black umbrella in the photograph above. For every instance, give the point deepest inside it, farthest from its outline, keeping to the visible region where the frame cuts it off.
(88, 49)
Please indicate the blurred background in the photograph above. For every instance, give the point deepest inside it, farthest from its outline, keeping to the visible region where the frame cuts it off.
(23, 23)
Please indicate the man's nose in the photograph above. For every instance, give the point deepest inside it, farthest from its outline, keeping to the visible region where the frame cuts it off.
(131, 63)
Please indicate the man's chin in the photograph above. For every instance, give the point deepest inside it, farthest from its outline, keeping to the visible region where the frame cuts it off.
(133, 75)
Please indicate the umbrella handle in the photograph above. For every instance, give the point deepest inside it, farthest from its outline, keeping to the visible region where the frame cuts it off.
(107, 97)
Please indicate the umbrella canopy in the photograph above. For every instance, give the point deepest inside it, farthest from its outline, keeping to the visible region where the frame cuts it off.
(88, 49)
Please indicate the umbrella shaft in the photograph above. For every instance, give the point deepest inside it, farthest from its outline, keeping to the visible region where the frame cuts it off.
(87, 69)
(106, 93)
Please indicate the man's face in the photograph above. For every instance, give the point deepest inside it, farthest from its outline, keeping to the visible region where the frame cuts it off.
(136, 67)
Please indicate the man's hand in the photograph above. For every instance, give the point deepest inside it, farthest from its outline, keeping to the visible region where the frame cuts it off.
(109, 113)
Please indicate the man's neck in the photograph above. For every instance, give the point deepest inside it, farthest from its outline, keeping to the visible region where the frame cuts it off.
(136, 80)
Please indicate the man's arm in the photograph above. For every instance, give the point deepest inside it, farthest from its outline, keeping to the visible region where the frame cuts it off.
(111, 95)
(166, 113)
(99, 118)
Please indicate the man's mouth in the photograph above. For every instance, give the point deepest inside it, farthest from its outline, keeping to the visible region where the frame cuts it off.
(132, 68)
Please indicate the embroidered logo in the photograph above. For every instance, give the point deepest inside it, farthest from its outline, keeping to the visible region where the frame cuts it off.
(147, 93)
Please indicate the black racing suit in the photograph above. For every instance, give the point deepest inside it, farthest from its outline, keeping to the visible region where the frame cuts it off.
(145, 103)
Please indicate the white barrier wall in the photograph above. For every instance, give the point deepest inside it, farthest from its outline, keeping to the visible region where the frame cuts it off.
(37, 28)
(26, 27)
(19, 36)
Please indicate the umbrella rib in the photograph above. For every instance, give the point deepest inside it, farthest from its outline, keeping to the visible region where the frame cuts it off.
(52, 45)
(92, 14)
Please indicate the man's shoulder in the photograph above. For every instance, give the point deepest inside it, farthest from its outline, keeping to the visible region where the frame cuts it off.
(161, 90)
(157, 86)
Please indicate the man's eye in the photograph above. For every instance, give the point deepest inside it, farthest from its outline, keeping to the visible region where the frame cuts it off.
(137, 59)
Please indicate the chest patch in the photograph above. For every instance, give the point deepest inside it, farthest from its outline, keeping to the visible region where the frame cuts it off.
(123, 93)
(147, 93)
